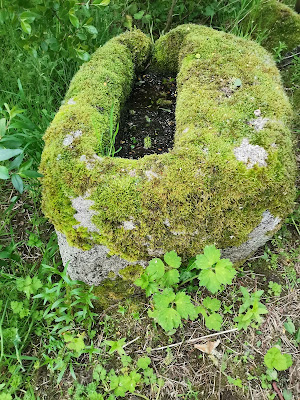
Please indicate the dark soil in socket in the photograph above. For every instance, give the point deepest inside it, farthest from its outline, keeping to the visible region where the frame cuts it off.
(148, 119)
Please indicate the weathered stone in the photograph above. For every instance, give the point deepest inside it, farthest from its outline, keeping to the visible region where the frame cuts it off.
(228, 180)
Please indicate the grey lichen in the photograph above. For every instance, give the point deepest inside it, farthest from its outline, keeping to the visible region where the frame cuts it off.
(251, 154)
(84, 214)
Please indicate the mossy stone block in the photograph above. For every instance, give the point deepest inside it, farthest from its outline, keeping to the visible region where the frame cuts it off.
(228, 180)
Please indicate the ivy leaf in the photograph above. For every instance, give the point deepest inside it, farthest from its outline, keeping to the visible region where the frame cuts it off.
(155, 269)
(170, 278)
(275, 359)
(172, 259)
(167, 318)
(185, 307)
(211, 304)
(214, 321)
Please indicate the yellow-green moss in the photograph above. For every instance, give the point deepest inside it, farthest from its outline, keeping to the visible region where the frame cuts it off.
(196, 194)
(279, 22)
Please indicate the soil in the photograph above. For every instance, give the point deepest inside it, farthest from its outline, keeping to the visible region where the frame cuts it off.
(148, 119)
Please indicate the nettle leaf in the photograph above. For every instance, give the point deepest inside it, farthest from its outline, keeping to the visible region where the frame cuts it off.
(214, 321)
(172, 259)
(167, 318)
(185, 307)
(155, 269)
(211, 304)
(170, 278)
(275, 359)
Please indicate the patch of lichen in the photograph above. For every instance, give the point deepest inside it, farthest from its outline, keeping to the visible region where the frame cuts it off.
(279, 22)
(196, 194)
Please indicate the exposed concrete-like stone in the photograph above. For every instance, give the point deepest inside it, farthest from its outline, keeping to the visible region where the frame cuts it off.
(97, 263)
(257, 238)
(251, 154)
(84, 214)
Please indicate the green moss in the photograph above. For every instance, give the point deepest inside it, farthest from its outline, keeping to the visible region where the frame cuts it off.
(131, 272)
(203, 192)
(112, 292)
(279, 22)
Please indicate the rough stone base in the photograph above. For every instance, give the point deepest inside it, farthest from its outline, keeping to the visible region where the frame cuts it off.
(94, 265)
(90, 266)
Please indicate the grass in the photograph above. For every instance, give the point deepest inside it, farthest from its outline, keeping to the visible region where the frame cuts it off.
(54, 335)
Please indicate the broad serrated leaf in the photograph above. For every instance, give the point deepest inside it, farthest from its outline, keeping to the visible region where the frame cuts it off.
(224, 271)
(208, 279)
(162, 300)
(211, 304)
(167, 318)
(185, 307)
(172, 259)
(170, 278)
(214, 321)
(155, 269)
(143, 362)
(274, 359)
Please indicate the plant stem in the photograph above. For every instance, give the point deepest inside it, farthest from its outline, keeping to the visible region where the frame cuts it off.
(140, 395)
(170, 16)
(188, 280)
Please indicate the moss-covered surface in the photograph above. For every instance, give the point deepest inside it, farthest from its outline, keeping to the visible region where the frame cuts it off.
(276, 22)
(196, 194)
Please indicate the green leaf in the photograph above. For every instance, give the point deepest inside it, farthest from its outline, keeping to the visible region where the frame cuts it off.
(28, 16)
(116, 346)
(214, 321)
(274, 359)
(143, 362)
(26, 27)
(224, 271)
(101, 2)
(6, 154)
(237, 83)
(185, 307)
(170, 278)
(139, 15)
(155, 269)
(75, 343)
(17, 183)
(73, 19)
(31, 174)
(91, 29)
(236, 382)
(287, 395)
(162, 300)
(289, 326)
(211, 304)
(4, 174)
(208, 279)
(172, 259)
(2, 127)
(167, 318)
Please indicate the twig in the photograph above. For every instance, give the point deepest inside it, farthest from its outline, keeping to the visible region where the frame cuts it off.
(277, 390)
(170, 16)
(127, 344)
(195, 340)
